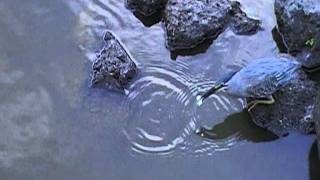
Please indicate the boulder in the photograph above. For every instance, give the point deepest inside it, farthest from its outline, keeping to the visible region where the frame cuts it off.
(145, 7)
(317, 121)
(188, 22)
(299, 26)
(293, 109)
(113, 64)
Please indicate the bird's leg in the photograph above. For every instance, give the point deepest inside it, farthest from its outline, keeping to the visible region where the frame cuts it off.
(253, 103)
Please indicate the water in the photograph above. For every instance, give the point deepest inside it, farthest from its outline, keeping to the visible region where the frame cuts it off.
(53, 126)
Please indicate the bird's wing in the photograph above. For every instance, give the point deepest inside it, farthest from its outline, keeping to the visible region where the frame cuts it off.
(267, 84)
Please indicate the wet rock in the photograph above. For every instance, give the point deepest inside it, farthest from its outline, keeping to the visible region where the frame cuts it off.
(293, 108)
(314, 162)
(145, 7)
(113, 64)
(317, 120)
(188, 22)
(299, 26)
(240, 23)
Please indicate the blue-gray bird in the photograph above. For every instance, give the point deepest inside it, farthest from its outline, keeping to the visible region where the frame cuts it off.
(258, 80)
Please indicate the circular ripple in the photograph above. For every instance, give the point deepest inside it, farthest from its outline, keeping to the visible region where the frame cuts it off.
(164, 114)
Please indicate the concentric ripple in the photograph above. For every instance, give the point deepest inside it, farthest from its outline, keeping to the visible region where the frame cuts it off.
(164, 115)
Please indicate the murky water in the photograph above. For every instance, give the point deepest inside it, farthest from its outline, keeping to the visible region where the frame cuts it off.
(53, 126)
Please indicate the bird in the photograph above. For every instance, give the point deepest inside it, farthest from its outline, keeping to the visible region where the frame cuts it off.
(258, 80)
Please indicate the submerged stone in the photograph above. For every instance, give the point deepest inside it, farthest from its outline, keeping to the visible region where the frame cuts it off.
(298, 23)
(293, 109)
(113, 64)
(145, 7)
(188, 22)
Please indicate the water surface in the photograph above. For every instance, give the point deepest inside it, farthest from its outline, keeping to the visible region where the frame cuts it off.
(53, 126)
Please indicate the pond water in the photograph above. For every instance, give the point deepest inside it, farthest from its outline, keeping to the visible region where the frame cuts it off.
(53, 126)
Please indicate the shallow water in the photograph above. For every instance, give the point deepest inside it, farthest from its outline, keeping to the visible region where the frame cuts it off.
(53, 126)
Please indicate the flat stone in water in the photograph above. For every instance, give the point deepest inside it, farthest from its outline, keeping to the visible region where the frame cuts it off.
(293, 109)
(113, 65)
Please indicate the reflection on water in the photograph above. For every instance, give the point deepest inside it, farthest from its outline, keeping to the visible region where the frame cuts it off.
(53, 126)
(238, 123)
(24, 118)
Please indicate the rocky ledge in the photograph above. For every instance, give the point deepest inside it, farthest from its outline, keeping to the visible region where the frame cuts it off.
(293, 110)
(299, 26)
(113, 65)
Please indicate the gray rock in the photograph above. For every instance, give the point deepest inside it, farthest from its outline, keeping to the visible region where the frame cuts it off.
(293, 110)
(317, 120)
(113, 64)
(299, 25)
(145, 7)
(190, 22)
(240, 23)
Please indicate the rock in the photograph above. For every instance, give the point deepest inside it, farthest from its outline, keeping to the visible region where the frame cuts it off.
(314, 162)
(317, 120)
(293, 108)
(145, 7)
(113, 64)
(190, 22)
(299, 25)
(240, 23)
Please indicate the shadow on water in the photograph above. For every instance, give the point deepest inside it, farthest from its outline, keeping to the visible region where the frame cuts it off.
(151, 20)
(279, 41)
(238, 123)
(314, 162)
(201, 48)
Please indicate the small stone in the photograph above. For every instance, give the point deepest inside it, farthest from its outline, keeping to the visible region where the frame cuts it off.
(113, 64)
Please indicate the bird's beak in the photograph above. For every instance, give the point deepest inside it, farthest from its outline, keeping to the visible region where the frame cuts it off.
(211, 91)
